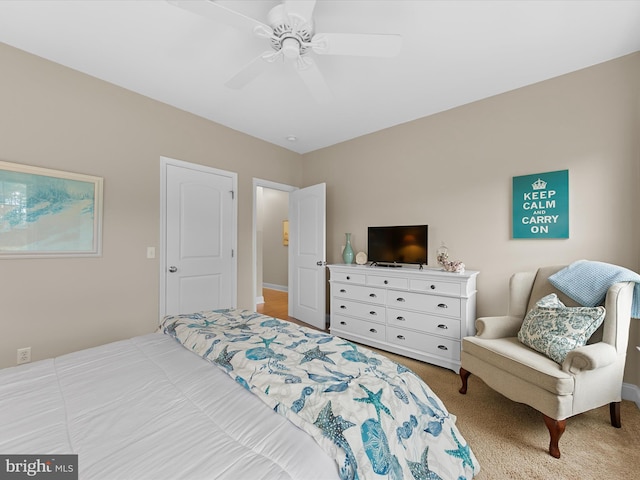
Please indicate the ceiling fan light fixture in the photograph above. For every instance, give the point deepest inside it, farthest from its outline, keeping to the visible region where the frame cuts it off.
(290, 47)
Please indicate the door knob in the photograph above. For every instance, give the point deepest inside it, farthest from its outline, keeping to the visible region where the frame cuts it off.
(173, 269)
(321, 263)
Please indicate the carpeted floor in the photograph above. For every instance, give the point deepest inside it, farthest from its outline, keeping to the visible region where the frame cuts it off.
(511, 441)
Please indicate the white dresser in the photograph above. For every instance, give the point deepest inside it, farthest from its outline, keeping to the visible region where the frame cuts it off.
(422, 314)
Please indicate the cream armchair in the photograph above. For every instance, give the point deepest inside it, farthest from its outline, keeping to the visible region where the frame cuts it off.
(589, 377)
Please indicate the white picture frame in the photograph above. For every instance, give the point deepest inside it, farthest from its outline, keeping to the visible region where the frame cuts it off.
(49, 213)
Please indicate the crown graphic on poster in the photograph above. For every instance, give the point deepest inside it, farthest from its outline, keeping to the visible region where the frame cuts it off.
(539, 184)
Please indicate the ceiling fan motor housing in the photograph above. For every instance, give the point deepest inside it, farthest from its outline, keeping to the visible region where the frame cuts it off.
(289, 27)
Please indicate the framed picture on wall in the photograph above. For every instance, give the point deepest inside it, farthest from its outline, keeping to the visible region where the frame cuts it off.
(285, 233)
(541, 205)
(49, 213)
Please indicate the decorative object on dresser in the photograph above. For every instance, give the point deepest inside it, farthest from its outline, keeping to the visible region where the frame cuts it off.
(361, 258)
(347, 253)
(421, 314)
(442, 257)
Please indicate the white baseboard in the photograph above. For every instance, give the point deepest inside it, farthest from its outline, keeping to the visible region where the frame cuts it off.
(631, 392)
(259, 300)
(273, 286)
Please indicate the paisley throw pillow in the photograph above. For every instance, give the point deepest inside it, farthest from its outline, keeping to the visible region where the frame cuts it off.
(554, 330)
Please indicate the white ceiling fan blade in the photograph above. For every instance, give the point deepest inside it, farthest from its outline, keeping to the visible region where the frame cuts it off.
(301, 8)
(357, 44)
(314, 80)
(250, 71)
(218, 13)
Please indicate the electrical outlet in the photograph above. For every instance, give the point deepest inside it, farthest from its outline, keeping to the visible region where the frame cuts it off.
(24, 355)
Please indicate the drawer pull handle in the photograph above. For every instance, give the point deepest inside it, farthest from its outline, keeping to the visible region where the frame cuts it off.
(342, 290)
(373, 313)
(400, 337)
(348, 277)
(343, 323)
(442, 305)
(442, 347)
(373, 330)
(400, 299)
(400, 318)
(373, 295)
(344, 307)
(386, 282)
(443, 326)
(432, 287)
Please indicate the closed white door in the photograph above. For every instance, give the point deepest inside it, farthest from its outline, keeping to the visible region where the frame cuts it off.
(307, 255)
(199, 264)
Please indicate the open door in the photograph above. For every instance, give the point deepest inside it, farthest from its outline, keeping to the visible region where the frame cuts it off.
(307, 255)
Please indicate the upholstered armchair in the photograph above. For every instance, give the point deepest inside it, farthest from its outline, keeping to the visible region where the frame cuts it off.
(589, 376)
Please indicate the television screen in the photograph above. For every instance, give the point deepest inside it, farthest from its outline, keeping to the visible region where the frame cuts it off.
(399, 244)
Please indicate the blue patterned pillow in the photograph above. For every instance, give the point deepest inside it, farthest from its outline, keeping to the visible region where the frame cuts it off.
(554, 330)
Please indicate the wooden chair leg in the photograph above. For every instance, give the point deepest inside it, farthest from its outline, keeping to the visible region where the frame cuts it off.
(614, 411)
(464, 375)
(556, 429)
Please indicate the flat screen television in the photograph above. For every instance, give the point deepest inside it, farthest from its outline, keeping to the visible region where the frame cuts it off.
(391, 246)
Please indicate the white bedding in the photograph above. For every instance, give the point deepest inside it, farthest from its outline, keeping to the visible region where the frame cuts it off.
(147, 408)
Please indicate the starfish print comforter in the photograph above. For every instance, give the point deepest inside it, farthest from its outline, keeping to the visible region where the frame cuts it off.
(377, 418)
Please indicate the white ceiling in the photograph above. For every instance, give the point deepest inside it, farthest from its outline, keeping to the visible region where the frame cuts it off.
(453, 53)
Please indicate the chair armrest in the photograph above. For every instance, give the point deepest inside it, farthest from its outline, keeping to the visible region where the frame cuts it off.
(498, 327)
(589, 357)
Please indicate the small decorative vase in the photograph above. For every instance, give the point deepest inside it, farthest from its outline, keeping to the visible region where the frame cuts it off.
(347, 253)
(442, 255)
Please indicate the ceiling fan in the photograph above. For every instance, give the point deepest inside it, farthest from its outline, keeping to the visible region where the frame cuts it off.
(289, 28)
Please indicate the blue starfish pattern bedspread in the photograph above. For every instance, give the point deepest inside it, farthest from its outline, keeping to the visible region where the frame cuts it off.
(377, 418)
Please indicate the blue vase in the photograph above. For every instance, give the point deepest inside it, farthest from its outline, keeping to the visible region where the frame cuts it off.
(347, 253)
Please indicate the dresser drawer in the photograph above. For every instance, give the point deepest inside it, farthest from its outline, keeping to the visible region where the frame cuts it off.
(359, 292)
(358, 327)
(435, 287)
(442, 347)
(348, 277)
(448, 306)
(388, 282)
(372, 313)
(446, 327)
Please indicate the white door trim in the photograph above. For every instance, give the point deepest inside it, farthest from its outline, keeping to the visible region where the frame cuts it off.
(164, 162)
(258, 182)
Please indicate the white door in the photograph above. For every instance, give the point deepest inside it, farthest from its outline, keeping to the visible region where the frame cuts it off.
(307, 255)
(199, 263)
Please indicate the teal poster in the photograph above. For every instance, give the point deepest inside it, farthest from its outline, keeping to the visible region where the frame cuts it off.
(541, 205)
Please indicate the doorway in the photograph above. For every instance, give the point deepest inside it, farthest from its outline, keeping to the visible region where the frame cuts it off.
(271, 264)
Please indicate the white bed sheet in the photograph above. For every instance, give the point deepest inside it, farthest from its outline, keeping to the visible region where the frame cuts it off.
(147, 408)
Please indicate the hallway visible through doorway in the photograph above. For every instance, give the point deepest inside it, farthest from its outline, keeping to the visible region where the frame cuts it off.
(276, 304)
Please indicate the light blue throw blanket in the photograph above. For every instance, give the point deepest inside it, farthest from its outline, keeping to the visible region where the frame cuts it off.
(587, 282)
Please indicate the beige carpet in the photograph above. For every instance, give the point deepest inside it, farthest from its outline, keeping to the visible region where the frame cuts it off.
(510, 439)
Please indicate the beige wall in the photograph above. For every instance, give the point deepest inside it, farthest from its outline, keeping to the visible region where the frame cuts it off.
(53, 117)
(453, 171)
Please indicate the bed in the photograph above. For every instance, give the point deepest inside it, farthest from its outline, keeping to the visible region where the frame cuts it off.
(232, 394)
